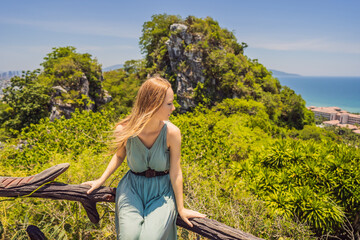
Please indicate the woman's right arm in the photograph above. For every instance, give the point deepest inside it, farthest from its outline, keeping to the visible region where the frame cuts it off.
(114, 163)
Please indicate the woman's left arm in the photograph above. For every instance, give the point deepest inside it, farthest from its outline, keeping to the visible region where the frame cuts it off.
(176, 175)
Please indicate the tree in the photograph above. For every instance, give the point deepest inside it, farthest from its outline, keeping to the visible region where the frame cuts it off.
(155, 33)
(293, 110)
(65, 67)
(77, 78)
(27, 101)
(28, 98)
(122, 87)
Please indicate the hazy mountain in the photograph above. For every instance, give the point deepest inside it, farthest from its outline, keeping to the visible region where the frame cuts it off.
(114, 67)
(277, 73)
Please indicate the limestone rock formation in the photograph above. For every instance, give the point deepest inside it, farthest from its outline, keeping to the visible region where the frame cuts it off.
(57, 106)
(62, 104)
(186, 79)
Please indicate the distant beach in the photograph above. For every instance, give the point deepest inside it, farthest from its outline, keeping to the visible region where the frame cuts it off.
(342, 92)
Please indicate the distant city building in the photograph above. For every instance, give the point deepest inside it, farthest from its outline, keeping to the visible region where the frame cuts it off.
(337, 117)
(8, 75)
(5, 78)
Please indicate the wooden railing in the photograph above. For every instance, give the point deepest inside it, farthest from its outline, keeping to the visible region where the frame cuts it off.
(42, 185)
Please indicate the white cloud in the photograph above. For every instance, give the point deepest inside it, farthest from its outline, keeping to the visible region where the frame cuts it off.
(79, 27)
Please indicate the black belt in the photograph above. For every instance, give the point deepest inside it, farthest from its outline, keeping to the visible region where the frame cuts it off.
(151, 173)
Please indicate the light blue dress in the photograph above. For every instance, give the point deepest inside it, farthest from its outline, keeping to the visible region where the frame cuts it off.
(145, 207)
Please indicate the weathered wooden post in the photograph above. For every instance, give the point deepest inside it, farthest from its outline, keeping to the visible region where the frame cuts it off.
(35, 233)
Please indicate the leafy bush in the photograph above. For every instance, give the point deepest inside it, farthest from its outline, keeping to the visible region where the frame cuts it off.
(122, 85)
(316, 182)
(26, 102)
(63, 136)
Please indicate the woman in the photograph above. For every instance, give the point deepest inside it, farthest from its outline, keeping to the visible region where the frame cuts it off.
(146, 195)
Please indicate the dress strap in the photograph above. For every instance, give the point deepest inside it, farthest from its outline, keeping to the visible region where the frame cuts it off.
(164, 137)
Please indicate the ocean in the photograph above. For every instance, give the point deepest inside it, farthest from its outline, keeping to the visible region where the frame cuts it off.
(342, 92)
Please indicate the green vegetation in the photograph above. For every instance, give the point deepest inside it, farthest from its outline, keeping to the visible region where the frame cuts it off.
(80, 141)
(65, 67)
(206, 155)
(227, 71)
(317, 182)
(25, 102)
(122, 85)
(256, 162)
(347, 136)
(27, 99)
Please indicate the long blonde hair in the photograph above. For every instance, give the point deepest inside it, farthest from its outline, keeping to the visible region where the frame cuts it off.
(149, 99)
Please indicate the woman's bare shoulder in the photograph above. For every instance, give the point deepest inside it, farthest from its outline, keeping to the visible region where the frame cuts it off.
(119, 128)
(173, 130)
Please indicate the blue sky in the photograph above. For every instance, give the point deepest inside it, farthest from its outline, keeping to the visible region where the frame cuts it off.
(311, 38)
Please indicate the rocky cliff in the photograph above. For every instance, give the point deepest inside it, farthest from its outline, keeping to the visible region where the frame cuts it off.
(208, 65)
(186, 79)
(65, 99)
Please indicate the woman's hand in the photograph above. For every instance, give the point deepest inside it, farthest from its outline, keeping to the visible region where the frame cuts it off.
(185, 214)
(93, 184)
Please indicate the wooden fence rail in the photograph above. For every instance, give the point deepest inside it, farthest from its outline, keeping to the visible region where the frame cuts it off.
(42, 185)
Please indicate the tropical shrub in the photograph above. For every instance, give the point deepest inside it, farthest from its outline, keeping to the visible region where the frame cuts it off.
(25, 102)
(315, 182)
